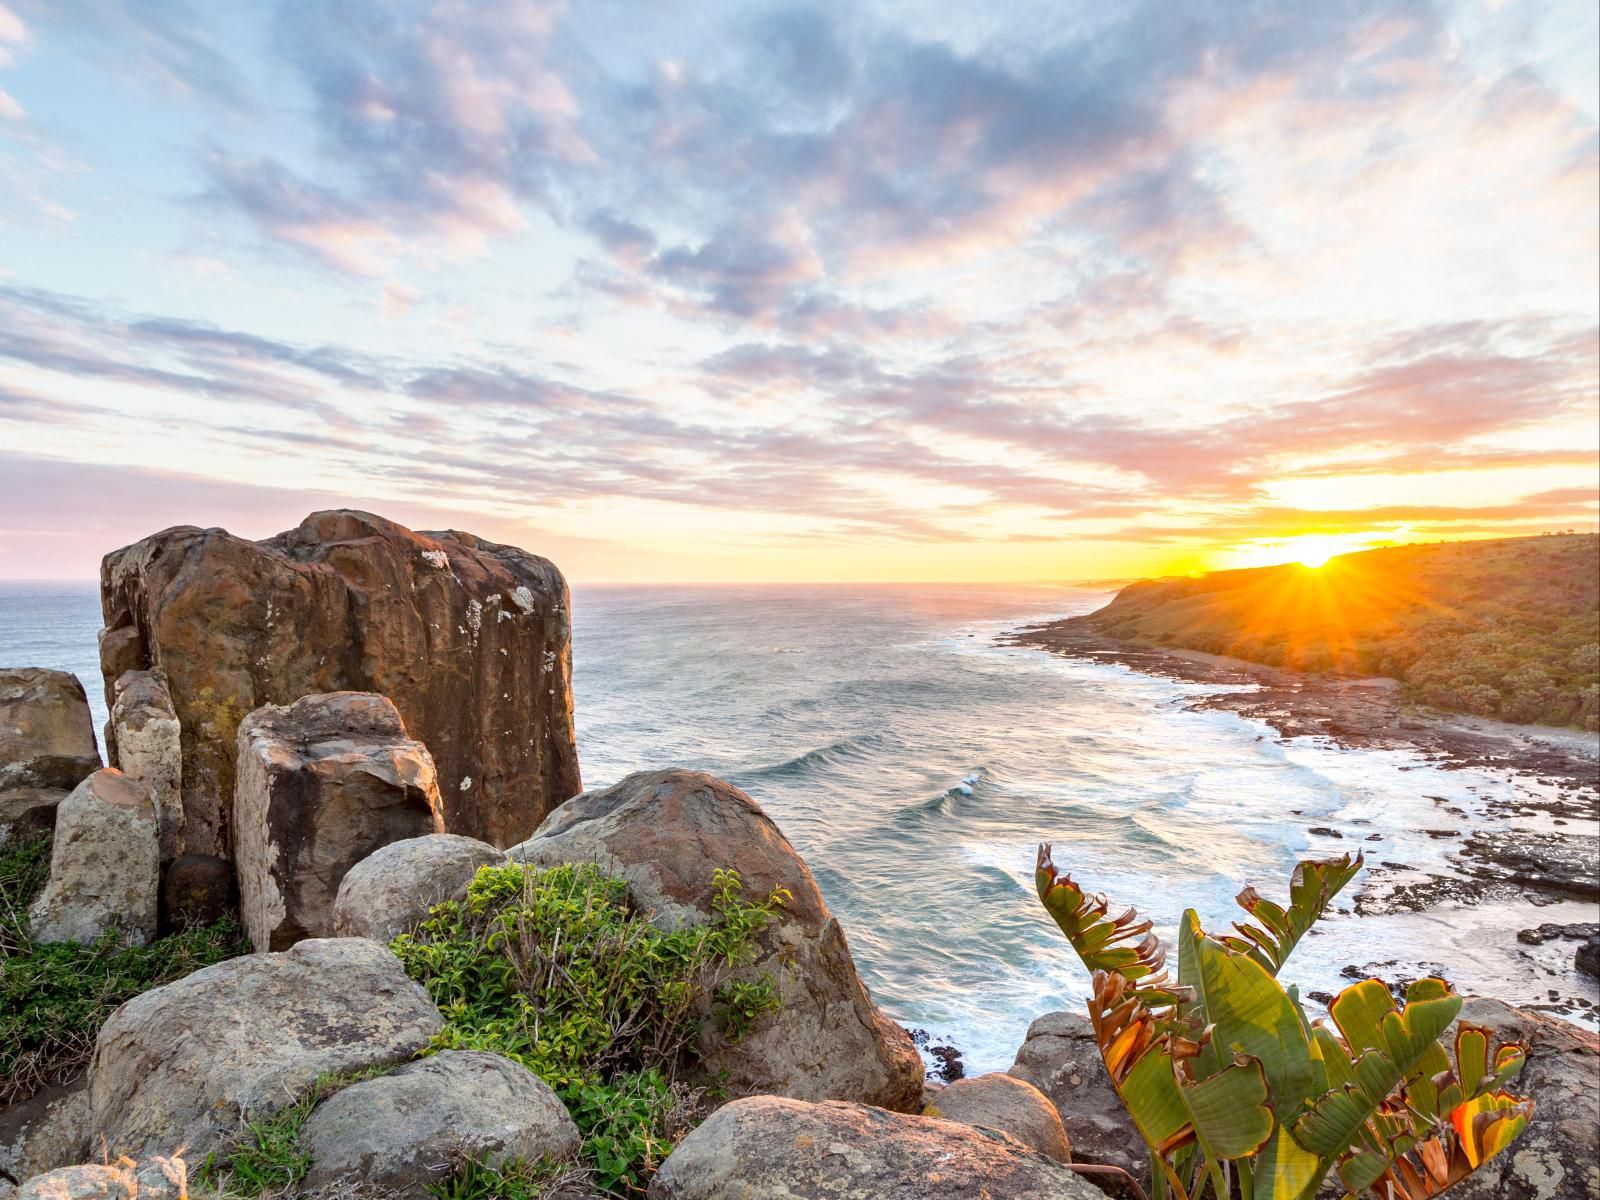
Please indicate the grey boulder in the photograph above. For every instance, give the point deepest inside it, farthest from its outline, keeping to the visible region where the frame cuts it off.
(158, 1177)
(392, 889)
(181, 1064)
(46, 745)
(105, 865)
(667, 832)
(772, 1148)
(408, 1129)
(49, 1129)
(1004, 1102)
(320, 784)
(1061, 1058)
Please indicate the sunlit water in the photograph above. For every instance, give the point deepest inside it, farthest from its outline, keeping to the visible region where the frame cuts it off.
(916, 764)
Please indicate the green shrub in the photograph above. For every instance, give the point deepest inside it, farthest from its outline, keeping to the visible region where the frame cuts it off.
(54, 997)
(553, 969)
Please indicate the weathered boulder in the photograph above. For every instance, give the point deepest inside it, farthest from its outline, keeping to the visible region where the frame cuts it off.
(780, 1149)
(1558, 1155)
(142, 742)
(46, 745)
(400, 1131)
(1004, 1102)
(392, 889)
(105, 865)
(1061, 1058)
(666, 832)
(1587, 957)
(158, 1177)
(321, 784)
(180, 1065)
(471, 640)
(49, 1129)
(197, 889)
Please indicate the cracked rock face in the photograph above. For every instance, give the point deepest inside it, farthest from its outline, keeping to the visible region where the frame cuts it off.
(105, 865)
(321, 784)
(180, 1064)
(142, 742)
(399, 1131)
(772, 1147)
(46, 745)
(667, 832)
(471, 640)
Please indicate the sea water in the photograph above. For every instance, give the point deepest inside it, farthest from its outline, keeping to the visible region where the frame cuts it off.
(916, 762)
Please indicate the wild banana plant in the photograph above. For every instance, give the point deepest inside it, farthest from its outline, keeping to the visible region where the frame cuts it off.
(1237, 1093)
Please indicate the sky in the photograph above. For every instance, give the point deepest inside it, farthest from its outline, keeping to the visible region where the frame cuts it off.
(854, 291)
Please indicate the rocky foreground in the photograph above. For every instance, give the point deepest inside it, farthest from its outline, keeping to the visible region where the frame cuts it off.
(259, 769)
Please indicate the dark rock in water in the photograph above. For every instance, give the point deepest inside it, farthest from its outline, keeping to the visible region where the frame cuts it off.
(666, 833)
(1549, 932)
(197, 890)
(321, 784)
(471, 640)
(950, 1067)
(1587, 958)
(1324, 831)
(47, 746)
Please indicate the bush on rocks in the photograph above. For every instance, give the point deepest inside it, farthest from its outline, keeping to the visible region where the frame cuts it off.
(554, 970)
(54, 997)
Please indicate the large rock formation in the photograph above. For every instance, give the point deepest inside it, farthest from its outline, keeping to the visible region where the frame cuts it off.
(471, 641)
(105, 865)
(767, 1146)
(406, 1130)
(1558, 1155)
(46, 745)
(158, 1177)
(179, 1065)
(321, 784)
(666, 832)
(142, 741)
(1004, 1102)
(392, 889)
(1062, 1059)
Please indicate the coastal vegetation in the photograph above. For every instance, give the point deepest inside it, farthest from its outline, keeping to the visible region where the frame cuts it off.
(55, 996)
(1235, 1091)
(1507, 628)
(555, 970)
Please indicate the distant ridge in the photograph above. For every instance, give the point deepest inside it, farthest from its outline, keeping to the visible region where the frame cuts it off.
(1508, 628)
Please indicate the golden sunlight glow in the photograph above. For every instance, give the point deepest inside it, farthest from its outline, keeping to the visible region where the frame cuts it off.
(1308, 549)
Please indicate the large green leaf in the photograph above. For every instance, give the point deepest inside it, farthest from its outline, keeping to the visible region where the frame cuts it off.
(1250, 1014)
(1285, 1170)
(1312, 888)
(1229, 1110)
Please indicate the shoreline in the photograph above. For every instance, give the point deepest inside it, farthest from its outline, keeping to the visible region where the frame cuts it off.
(1546, 848)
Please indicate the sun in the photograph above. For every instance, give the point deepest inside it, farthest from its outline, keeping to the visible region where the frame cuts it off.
(1310, 550)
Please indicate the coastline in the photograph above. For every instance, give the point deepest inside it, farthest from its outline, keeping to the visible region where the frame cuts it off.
(1548, 843)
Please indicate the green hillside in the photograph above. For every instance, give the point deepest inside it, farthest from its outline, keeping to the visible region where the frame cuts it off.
(1508, 628)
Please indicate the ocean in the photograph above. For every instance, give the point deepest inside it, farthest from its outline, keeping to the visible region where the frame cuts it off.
(916, 762)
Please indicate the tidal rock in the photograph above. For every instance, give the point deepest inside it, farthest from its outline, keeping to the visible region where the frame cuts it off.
(392, 889)
(400, 1131)
(105, 865)
(142, 742)
(1061, 1058)
(197, 889)
(181, 1064)
(49, 1129)
(46, 746)
(158, 1177)
(1587, 957)
(471, 640)
(321, 784)
(666, 832)
(769, 1146)
(1004, 1102)
(1558, 1155)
